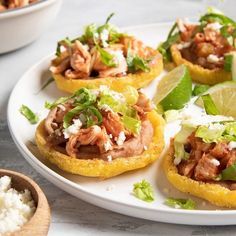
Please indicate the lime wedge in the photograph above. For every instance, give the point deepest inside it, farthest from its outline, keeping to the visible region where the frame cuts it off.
(174, 90)
(224, 97)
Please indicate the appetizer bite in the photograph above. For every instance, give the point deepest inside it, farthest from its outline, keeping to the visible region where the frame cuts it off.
(104, 56)
(208, 47)
(101, 132)
(202, 159)
(12, 4)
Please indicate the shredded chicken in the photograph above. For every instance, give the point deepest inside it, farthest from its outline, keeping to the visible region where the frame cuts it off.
(206, 160)
(110, 138)
(55, 117)
(93, 135)
(83, 61)
(112, 123)
(134, 146)
(80, 58)
(120, 67)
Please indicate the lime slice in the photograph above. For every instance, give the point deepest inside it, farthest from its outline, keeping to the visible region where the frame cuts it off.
(224, 97)
(174, 90)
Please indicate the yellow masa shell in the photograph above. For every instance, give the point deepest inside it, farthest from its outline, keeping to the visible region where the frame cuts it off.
(137, 80)
(99, 167)
(213, 193)
(198, 73)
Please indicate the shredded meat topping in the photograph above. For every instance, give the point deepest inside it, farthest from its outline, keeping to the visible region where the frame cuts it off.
(206, 48)
(110, 138)
(206, 160)
(82, 61)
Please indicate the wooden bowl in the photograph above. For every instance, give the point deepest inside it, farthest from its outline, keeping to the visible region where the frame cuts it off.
(38, 225)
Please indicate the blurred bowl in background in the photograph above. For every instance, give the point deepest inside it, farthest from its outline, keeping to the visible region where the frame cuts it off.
(21, 26)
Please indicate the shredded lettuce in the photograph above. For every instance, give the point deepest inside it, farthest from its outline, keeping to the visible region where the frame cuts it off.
(60, 100)
(93, 33)
(107, 100)
(164, 48)
(187, 204)
(87, 105)
(229, 173)
(144, 191)
(90, 33)
(84, 96)
(29, 114)
(106, 58)
(210, 133)
(136, 63)
(89, 112)
(131, 95)
(131, 124)
(217, 17)
(179, 141)
(65, 41)
(172, 115)
(217, 132)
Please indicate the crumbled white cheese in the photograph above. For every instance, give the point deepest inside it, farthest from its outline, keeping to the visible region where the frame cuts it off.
(61, 107)
(183, 45)
(72, 129)
(16, 208)
(213, 58)
(118, 56)
(214, 26)
(103, 88)
(121, 138)
(215, 162)
(104, 35)
(106, 108)
(232, 145)
(95, 92)
(109, 158)
(110, 135)
(107, 146)
(117, 96)
(145, 148)
(141, 90)
(216, 126)
(206, 119)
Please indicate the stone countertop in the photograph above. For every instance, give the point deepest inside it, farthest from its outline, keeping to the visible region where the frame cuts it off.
(71, 216)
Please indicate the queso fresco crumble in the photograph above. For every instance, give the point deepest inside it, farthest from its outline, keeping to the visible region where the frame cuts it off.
(16, 208)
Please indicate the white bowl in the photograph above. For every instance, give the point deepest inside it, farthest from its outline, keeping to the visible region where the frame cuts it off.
(22, 26)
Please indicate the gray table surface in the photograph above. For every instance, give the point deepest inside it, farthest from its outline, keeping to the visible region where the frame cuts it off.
(71, 216)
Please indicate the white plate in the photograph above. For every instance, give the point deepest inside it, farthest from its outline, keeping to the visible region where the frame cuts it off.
(116, 193)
